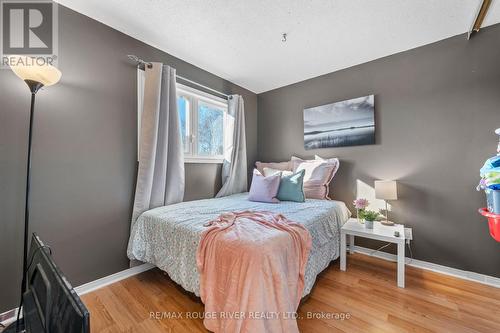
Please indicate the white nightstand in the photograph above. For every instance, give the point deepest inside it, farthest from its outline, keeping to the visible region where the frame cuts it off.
(379, 232)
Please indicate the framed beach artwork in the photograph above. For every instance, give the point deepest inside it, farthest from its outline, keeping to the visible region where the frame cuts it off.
(339, 124)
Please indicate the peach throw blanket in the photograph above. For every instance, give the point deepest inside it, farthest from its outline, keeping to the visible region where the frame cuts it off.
(252, 272)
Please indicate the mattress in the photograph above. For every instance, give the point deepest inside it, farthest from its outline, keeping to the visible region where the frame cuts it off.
(168, 236)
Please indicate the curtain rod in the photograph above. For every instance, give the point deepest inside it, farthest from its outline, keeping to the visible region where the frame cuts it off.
(141, 63)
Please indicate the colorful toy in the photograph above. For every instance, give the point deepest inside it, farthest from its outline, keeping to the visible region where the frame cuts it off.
(490, 183)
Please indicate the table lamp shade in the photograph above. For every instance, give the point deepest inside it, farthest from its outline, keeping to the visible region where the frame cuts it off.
(29, 70)
(386, 189)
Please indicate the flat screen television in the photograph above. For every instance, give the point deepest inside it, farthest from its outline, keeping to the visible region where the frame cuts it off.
(50, 305)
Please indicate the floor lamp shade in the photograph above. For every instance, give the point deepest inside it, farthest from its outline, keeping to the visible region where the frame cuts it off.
(28, 69)
(386, 189)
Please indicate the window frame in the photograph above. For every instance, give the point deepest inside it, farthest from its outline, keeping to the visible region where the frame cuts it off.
(194, 96)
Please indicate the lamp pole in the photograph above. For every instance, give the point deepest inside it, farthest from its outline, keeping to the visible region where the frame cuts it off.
(34, 87)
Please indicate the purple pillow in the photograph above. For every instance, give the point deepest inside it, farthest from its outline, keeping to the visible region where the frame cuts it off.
(264, 189)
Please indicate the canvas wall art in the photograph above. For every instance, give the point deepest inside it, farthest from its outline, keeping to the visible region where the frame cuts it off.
(345, 123)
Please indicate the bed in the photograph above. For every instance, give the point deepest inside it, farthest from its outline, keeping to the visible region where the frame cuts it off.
(168, 236)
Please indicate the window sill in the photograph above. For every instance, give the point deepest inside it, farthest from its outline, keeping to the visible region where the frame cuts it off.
(201, 160)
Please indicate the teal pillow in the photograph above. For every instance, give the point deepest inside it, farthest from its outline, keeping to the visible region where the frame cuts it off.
(292, 187)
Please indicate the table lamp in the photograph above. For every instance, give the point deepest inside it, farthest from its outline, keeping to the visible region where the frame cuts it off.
(386, 190)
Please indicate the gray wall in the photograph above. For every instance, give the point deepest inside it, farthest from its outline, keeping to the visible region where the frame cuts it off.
(84, 153)
(436, 108)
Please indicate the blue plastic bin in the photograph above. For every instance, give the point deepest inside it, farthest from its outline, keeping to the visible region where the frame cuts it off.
(493, 200)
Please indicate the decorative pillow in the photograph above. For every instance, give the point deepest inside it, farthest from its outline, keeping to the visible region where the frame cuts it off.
(318, 175)
(332, 160)
(283, 166)
(264, 189)
(269, 172)
(292, 187)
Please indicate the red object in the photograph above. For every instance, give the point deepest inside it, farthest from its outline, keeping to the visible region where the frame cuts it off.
(493, 222)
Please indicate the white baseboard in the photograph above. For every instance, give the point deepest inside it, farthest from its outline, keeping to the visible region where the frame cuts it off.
(107, 280)
(88, 287)
(466, 275)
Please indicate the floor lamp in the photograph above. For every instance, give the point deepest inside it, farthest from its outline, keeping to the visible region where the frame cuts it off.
(36, 76)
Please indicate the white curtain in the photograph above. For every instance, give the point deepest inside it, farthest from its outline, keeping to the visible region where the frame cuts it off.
(234, 169)
(160, 178)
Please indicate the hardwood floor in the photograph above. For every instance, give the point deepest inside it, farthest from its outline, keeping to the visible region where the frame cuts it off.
(366, 293)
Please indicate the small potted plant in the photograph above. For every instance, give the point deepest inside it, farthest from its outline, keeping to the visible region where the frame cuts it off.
(360, 205)
(370, 216)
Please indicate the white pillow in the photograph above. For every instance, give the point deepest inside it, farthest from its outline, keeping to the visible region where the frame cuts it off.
(274, 165)
(270, 171)
(317, 158)
(318, 175)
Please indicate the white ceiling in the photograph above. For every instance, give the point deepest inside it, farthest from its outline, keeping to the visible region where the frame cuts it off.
(240, 40)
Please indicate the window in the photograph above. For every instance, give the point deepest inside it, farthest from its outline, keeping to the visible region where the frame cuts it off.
(203, 119)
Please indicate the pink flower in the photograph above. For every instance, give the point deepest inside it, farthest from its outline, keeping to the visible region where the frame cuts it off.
(360, 203)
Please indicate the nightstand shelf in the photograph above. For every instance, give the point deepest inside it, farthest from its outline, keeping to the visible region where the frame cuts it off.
(379, 232)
